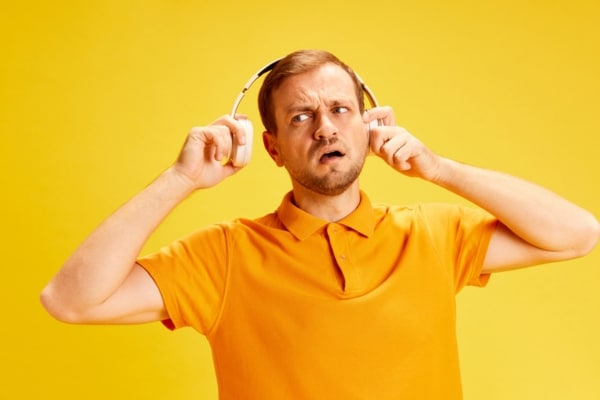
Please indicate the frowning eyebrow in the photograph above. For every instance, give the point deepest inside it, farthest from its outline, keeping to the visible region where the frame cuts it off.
(295, 108)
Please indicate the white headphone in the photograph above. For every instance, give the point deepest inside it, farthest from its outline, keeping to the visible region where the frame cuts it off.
(240, 155)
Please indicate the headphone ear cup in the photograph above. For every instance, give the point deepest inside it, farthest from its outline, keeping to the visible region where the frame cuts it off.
(240, 155)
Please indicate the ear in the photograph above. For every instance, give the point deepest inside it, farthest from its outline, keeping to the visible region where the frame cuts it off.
(270, 143)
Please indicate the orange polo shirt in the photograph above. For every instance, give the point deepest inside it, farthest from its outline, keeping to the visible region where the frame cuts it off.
(295, 307)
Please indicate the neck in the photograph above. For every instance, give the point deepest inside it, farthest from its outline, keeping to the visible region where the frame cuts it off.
(331, 208)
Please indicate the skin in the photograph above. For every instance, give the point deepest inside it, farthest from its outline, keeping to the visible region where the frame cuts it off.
(322, 140)
(317, 114)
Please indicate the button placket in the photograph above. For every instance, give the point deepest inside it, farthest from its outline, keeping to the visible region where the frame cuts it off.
(339, 247)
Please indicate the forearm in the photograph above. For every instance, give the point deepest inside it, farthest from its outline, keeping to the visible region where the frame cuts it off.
(104, 260)
(536, 225)
(535, 214)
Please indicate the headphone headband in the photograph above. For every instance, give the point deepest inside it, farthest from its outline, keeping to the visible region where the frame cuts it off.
(272, 65)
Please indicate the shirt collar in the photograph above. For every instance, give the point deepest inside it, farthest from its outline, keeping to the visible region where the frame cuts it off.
(302, 224)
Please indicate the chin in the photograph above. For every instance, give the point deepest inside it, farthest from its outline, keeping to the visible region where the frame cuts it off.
(330, 188)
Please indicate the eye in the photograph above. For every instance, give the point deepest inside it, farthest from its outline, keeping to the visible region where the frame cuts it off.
(300, 118)
(340, 110)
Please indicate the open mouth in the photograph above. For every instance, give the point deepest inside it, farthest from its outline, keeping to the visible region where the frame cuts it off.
(331, 155)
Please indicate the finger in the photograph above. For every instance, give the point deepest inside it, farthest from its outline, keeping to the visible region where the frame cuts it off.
(384, 114)
(395, 149)
(239, 129)
(236, 127)
(380, 139)
(216, 140)
(401, 160)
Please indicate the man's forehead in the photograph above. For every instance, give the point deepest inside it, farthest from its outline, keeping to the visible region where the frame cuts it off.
(329, 81)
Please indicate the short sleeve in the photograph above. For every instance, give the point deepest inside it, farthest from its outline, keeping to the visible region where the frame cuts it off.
(461, 235)
(190, 274)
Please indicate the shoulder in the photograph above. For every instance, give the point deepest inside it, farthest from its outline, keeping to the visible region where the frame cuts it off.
(245, 227)
(430, 214)
(414, 211)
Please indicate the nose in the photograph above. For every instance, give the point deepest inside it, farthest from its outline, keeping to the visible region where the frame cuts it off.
(325, 128)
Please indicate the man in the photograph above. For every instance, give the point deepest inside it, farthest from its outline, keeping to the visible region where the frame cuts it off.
(329, 297)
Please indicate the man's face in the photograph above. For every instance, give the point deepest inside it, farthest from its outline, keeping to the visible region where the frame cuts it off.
(321, 138)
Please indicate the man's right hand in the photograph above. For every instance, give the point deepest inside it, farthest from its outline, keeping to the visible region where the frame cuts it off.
(202, 159)
(101, 282)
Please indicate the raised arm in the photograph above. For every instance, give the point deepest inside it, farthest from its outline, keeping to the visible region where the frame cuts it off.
(101, 282)
(536, 225)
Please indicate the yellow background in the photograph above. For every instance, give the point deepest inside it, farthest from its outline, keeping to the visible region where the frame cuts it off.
(97, 98)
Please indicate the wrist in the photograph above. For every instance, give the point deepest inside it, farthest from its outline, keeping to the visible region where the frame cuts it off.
(444, 172)
(176, 183)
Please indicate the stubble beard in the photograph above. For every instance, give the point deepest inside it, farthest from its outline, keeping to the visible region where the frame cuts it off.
(332, 183)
